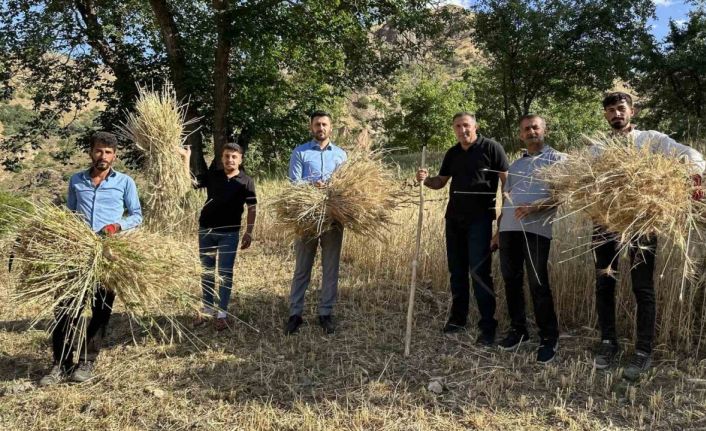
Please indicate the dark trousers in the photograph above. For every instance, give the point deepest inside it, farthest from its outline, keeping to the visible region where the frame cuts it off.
(468, 249)
(520, 251)
(64, 334)
(642, 263)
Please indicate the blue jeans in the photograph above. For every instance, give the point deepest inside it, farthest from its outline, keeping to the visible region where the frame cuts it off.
(468, 250)
(221, 245)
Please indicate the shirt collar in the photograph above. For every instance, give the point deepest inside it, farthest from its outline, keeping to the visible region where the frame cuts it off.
(87, 174)
(223, 173)
(479, 139)
(544, 149)
(315, 144)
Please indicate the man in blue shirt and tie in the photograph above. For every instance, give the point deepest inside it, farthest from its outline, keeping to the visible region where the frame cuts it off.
(108, 202)
(313, 163)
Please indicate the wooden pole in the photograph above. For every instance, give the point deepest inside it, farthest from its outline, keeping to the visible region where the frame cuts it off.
(415, 262)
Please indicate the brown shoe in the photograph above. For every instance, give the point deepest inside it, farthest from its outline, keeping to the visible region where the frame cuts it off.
(221, 324)
(199, 320)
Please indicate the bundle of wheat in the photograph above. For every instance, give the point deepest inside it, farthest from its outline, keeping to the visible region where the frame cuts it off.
(12, 210)
(62, 262)
(361, 195)
(157, 127)
(628, 190)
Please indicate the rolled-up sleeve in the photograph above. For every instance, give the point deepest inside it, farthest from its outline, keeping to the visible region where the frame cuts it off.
(132, 204)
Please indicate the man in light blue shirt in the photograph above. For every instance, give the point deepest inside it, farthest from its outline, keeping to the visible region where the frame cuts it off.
(105, 204)
(312, 164)
(108, 202)
(524, 239)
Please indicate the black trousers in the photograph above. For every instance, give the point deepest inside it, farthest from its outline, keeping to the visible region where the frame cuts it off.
(642, 262)
(520, 251)
(468, 252)
(63, 336)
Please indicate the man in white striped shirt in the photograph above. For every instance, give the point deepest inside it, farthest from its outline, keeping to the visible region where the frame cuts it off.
(618, 111)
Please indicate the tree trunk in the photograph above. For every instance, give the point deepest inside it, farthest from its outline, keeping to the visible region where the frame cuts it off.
(124, 76)
(221, 96)
(177, 69)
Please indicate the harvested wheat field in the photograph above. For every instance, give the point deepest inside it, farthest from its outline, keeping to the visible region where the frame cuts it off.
(257, 379)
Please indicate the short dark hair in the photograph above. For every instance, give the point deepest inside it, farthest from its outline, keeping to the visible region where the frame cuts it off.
(105, 138)
(463, 114)
(316, 114)
(616, 97)
(232, 146)
(531, 117)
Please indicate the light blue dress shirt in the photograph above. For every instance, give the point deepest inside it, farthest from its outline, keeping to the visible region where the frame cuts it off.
(107, 203)
(524, 188)
(309, 163)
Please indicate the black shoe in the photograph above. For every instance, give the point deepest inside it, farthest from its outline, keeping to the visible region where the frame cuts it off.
(293, 324)
(605, 354)
(639, 363)
(547, 351)
(453, 327)
(485, 338)
(513, 339)
(326, 322)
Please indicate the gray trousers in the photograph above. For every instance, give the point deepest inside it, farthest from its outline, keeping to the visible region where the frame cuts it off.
(305, 250)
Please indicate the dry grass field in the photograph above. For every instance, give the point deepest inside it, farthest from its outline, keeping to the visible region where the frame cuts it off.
(251, 377)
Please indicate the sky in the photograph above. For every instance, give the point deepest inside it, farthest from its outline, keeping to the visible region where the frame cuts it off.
(665, 9)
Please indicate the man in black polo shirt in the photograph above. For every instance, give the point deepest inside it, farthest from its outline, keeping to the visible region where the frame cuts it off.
(474, 166)
(229, 190)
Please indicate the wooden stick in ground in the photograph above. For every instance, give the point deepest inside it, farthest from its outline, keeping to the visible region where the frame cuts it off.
(415, 262)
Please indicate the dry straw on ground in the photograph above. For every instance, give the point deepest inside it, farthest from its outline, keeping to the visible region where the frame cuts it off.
(157, 127)
(630, 191)
(358, 379)
(361, 195)
(61, 262)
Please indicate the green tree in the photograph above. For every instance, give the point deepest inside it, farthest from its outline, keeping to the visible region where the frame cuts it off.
(251, 69)
(428, 99)
(672, 83)
(549, 48)
(569, 119)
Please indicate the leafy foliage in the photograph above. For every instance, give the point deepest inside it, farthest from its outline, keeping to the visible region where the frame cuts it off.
(672, 82)
(427, 102)
(285, 58)
(548, 48)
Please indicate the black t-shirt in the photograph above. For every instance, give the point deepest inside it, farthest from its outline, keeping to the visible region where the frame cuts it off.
(474, 170)
(226, 199)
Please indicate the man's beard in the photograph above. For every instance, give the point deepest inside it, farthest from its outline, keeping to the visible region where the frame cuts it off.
(618, 125)
(105, 167)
